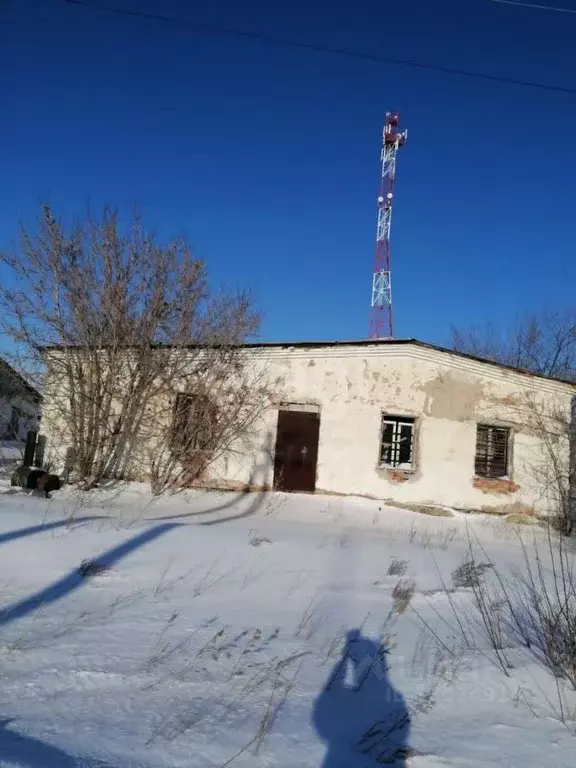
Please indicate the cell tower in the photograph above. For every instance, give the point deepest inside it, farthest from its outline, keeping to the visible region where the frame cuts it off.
(381, 325)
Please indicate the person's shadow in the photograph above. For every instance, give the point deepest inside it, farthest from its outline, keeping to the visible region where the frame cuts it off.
(359, 714)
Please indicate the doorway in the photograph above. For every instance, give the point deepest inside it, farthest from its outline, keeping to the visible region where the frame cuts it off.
(296, 453)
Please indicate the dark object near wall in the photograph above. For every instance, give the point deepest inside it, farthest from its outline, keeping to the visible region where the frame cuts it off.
(19, 476)
(30, 448)
(40, 480)
(40, 451)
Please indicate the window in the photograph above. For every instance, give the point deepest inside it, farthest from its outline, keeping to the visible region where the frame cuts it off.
(193, 423)
(492, 451)
(13, 428)
(397, 443)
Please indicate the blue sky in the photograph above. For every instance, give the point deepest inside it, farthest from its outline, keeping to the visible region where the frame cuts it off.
(268, 156)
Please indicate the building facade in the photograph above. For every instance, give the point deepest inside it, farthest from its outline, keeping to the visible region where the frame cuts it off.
(397, 420)
(408, 422)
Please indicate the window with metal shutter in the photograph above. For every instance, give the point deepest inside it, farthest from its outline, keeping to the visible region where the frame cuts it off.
(491, 451)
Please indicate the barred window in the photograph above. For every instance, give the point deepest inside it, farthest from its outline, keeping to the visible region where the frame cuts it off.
(492, 445)
(397, 442)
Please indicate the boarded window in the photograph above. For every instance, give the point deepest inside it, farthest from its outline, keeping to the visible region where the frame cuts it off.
(397, 444)
(193, 424)
(491, 451)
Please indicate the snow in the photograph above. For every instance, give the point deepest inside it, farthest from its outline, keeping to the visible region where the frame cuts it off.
(216, 634)
(11, 452)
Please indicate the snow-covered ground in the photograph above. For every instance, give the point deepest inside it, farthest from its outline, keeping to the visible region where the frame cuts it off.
(11, 452)
(218, 634)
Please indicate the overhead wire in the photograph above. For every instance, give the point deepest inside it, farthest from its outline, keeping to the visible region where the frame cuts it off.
(536, 6)
(262, 37)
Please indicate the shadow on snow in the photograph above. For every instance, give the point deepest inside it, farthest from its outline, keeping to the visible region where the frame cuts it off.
(20, 750)
(21, 533)
(75, 578)
(361, 717)
(259, 497)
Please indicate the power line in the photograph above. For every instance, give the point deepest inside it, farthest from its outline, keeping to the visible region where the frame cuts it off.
(321, 48)
(521, 4)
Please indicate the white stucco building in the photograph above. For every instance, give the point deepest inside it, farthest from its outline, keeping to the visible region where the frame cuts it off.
(397, 420)
(406, 421)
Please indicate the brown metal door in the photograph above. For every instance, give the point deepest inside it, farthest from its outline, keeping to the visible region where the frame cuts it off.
(296, 454)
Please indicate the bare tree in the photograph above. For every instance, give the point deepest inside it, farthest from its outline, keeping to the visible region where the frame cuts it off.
(114, 324)
(543, 342)
(552, 467)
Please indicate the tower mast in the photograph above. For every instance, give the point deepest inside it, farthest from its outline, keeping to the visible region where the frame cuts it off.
(381, 324)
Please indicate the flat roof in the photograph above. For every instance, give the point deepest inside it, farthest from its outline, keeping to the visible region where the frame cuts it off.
(374, 343)
(414, 342)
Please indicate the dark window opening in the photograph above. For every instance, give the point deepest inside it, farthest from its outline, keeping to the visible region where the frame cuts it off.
(491, 451)
(194, 424)
(13, 427)
(397, 444)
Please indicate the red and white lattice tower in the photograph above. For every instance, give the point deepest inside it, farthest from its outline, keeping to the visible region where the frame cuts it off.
(381, 325)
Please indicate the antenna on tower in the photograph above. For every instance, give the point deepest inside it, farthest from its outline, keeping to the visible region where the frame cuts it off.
(381, 325)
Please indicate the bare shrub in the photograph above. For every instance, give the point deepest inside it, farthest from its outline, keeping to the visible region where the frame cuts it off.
(397, 567)
(554, 467)
(402, 594)
(543, 342)
(492, 607)
(489, 614)
(534, 611)
(141, 362)
(546, 617)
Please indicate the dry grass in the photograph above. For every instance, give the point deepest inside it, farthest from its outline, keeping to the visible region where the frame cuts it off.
(397, 567)
(402, 595)
(469, 573)
(435, 539)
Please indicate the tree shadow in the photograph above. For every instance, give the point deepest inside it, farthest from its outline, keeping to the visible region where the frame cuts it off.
(234, 498)
(21, 533)
(17, 749)
(76, 578)
(258, 499)
(362, 718)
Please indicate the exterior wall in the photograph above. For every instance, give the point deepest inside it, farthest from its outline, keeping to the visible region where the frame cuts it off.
(448, 394)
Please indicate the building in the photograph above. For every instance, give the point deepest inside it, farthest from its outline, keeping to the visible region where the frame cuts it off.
(410, 422)
(404, 421)
(19, 412)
